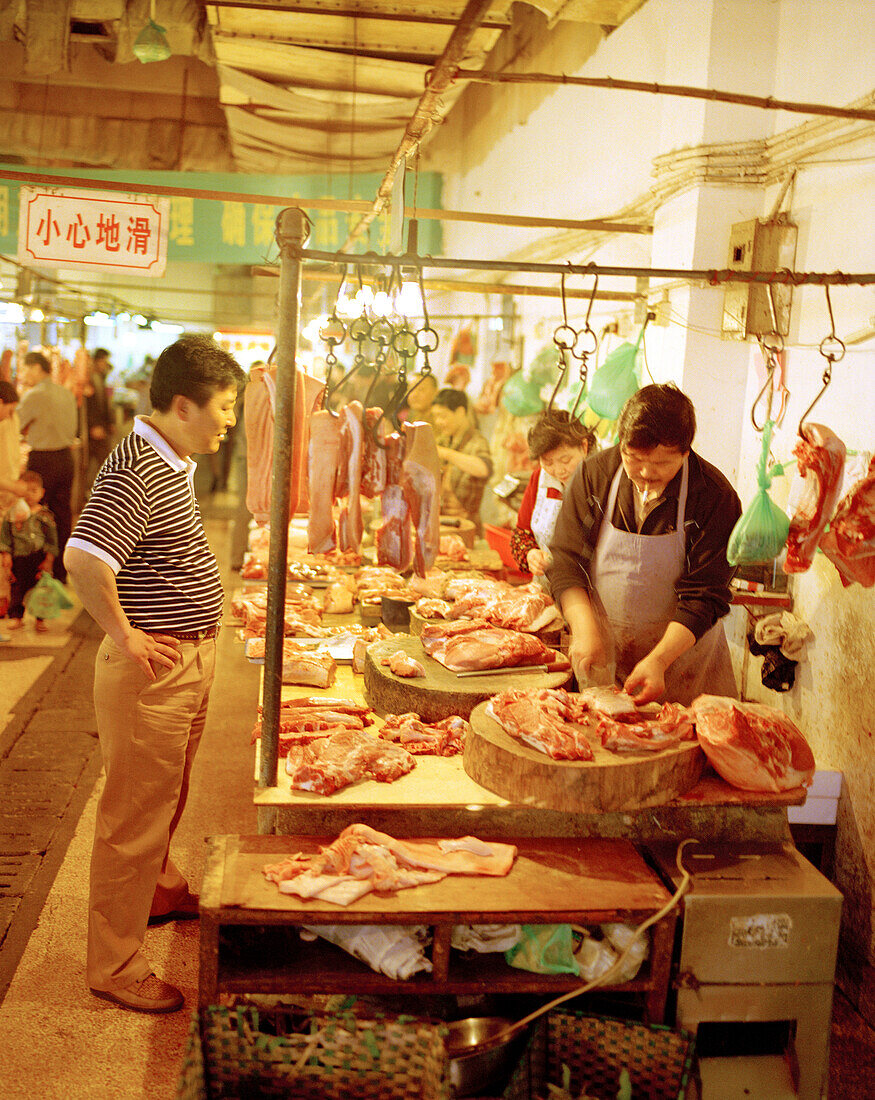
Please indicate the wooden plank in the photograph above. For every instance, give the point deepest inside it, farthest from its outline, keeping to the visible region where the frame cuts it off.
(551, 880)
(440, 693)
(610, 782)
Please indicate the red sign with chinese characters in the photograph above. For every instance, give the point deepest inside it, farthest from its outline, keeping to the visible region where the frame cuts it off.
(102, 230)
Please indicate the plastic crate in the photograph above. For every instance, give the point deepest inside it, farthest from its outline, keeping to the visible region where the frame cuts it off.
(242, 1053)
(592, 1051)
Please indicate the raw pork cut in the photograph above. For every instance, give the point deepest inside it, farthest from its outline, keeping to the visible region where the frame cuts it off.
(402, 665)
(489, 647)
(345, 756)
(444, 738)
(821, 456)
(394, 537)
(663, 730)
(850, 541)
(421, 485)
(374, 457)
(544, 719)
(753, 746)
(324, 455)
(350, 527)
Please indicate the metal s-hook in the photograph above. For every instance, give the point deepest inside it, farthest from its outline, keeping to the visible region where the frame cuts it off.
(833, 351)
(564, 337)
(770, 353)
(584, 352)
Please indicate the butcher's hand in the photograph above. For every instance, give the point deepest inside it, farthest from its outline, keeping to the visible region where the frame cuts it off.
(538, 561)
(146, 649)
(646, 681)
(585, 651)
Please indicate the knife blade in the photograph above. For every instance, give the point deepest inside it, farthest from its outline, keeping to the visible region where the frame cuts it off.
(504, 671)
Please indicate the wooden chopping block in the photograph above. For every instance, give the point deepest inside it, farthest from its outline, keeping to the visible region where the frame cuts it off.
(460, 526)
(440, 693)
(611, 782)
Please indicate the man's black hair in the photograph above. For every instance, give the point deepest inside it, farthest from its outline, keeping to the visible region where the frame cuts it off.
(451, 399)
(657, 415)
(194, 367)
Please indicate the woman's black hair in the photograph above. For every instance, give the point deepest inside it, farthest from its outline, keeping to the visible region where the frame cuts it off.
(451, 399)
(658, 415)
(556, 428)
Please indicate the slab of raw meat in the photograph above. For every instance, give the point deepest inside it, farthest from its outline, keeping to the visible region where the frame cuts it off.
(544, 719)
(753, 746)
(821, 462)
(346, 756)
(350, 527)
(610, 702)
(671, 725)
(444, 738)
(374, 464)
(324, 454)
(430, 608)
(493, 647)
(850, 541)
(421, 485)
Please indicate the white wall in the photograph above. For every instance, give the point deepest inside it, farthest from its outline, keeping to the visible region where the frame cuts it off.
(581, 153)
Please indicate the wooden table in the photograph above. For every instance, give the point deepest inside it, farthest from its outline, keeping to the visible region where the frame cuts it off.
(250, 941)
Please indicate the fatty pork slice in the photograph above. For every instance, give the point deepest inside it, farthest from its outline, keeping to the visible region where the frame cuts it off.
(350, 523)
(374, 463)
(850, 541)
(459, 856)
(666, 729)
(259, 399)
(540, 718)
(421, 485)
(753, 746)
(324, 452)
(497, 648)
(821, 462)
(346, 756)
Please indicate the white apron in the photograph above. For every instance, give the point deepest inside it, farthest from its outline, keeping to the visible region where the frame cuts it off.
(634, 576)
(546, 509)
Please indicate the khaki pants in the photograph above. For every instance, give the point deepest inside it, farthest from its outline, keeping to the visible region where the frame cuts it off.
(149, 733)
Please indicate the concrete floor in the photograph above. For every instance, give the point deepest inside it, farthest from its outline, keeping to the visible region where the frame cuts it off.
(60, 1042)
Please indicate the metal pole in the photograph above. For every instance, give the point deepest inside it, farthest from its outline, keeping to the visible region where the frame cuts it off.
(290, 239)
(710, 275)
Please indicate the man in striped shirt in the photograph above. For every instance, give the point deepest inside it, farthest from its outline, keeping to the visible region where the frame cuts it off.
(140, 561)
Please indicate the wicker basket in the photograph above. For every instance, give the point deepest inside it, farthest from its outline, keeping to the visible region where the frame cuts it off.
(238, 1054)
(595, 1049)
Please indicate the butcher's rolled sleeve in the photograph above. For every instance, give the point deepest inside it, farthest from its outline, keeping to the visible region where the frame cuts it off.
(575, 535)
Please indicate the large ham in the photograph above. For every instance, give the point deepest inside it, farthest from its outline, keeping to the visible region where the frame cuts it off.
(753, 746)
(324, 453)
(483, 647)
(850, 541)
(821, 456)
(421, 484)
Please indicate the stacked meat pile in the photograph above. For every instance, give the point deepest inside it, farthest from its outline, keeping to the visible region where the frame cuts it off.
(362, 860)
(308, 718)
(302, 616)
(473, 645)
(313, 666)
(752, 746)
(526, 608)
(444, 738)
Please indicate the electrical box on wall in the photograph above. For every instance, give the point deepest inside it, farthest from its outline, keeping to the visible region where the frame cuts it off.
(748, 308)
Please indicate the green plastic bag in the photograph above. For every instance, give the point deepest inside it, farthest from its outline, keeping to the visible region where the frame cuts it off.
(761, 532)
(615, 380)
(521, 396)
(47, 599)
(544, 949)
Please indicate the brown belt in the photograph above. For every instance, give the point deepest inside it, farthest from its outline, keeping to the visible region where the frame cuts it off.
(190, 635)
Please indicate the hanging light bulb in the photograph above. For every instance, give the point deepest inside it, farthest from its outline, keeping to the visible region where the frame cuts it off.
(410, 302)
(348, 306)
(382, 304)
(364, 295)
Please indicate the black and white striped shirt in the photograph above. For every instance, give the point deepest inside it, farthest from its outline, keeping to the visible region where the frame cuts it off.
(143, 521)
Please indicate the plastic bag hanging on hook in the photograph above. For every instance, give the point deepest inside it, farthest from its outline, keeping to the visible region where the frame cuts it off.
(762, 529)
(615, 380)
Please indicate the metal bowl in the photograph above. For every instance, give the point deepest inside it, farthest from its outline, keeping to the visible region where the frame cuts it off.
(482, 1052)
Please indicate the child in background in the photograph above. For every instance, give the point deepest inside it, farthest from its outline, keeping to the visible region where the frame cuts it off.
(28, 545)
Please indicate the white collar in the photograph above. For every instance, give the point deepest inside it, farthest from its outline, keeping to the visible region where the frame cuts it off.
(153, 437)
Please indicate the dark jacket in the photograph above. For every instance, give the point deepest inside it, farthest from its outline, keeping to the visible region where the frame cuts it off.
(713, 508)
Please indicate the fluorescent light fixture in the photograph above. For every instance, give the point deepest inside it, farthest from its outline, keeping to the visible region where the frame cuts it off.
(12, 313)
(161, 326)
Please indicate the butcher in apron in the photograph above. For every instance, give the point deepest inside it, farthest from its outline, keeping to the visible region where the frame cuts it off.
(640, 568)
(558, 444)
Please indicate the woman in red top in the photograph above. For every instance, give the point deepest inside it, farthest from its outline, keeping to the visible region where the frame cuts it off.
(558, 444)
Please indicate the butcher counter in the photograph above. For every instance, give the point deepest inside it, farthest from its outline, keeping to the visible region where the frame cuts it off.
(439, 797)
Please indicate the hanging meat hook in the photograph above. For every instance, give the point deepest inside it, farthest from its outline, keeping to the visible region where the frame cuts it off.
(771, 346)
(564, 337)
(833, 351)
(584, 352)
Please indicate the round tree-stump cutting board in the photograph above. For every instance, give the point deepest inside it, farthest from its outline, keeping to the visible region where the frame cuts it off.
(440, 693)
(611, 782)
